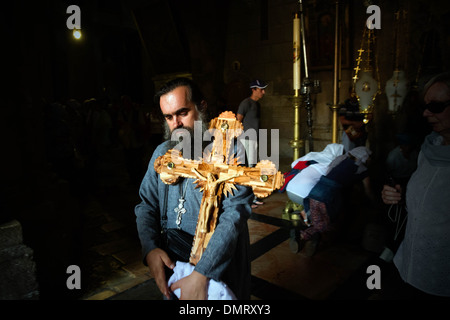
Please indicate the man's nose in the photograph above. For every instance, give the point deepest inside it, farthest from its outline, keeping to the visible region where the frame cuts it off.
(176, 122)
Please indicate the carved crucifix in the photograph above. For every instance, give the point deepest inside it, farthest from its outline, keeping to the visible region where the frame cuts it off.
(216, 175)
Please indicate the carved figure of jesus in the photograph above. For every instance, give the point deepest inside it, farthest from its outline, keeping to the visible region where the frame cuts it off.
(211, 193)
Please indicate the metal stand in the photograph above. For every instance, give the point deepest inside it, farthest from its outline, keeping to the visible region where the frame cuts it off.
(309, 87)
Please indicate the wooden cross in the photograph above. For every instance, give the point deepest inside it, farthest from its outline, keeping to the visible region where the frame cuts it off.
(217, 175)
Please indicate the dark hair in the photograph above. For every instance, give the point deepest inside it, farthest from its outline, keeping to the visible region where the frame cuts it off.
(194, 93)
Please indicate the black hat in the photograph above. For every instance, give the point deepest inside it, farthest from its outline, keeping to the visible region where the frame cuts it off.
(258, 84)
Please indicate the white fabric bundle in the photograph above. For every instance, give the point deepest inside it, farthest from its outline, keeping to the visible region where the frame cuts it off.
(216, 290)
(323, 158)
(306, 179)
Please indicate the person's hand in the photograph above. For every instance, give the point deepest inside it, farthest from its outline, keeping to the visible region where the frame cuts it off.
(156, 260)
(391, 195)
(193, 287)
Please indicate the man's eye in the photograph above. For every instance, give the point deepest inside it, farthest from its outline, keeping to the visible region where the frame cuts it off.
(168, 118)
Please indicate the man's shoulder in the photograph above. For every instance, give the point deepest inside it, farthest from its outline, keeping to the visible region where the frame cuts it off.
(246, 102)
(162, 148)
(245, 105)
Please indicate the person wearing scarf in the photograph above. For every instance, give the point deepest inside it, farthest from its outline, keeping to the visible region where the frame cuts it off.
(422, 260)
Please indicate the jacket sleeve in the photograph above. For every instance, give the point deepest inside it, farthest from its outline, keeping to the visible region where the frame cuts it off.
(148, 211)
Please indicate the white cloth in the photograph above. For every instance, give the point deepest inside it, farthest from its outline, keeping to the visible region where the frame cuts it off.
(216, 290)
(323, 158)
(361, 154)
(306, 179)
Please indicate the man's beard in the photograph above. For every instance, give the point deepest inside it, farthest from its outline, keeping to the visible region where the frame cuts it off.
(168, 132)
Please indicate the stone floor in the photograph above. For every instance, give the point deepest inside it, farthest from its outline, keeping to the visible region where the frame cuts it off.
(98, 233)
(113, 268)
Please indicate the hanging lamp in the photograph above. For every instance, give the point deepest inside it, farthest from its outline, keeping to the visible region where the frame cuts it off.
(365, 86)
(397, 86)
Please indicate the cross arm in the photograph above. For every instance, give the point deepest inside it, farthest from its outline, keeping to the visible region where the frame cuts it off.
(263, 178)
(171, 166)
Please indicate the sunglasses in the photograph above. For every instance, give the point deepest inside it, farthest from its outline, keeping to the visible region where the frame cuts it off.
(436, 107)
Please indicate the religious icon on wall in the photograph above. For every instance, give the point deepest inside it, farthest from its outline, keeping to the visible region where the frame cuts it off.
(320, 20)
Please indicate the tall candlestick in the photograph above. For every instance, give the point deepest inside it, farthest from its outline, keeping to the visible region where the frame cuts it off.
(337, 64)
(296, 143)
(296, 53)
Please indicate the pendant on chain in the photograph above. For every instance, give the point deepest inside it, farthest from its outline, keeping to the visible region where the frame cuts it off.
(180, 209)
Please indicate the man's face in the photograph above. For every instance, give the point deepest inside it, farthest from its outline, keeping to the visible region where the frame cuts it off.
(440, 122)
(177, 110)
(258, 93)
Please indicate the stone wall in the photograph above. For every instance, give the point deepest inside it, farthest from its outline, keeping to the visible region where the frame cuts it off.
(17, 268)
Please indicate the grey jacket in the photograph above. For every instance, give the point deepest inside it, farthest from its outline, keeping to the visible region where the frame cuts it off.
(226, 258)
(423, 258)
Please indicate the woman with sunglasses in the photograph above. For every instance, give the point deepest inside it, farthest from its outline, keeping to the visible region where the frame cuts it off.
(423, 258)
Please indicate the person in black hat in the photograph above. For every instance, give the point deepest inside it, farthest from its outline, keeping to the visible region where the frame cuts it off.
(249, 112)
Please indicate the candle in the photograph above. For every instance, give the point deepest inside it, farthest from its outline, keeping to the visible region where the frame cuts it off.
(296, 52)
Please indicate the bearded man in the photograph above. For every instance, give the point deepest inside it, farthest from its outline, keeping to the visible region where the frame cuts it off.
(167, 215)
